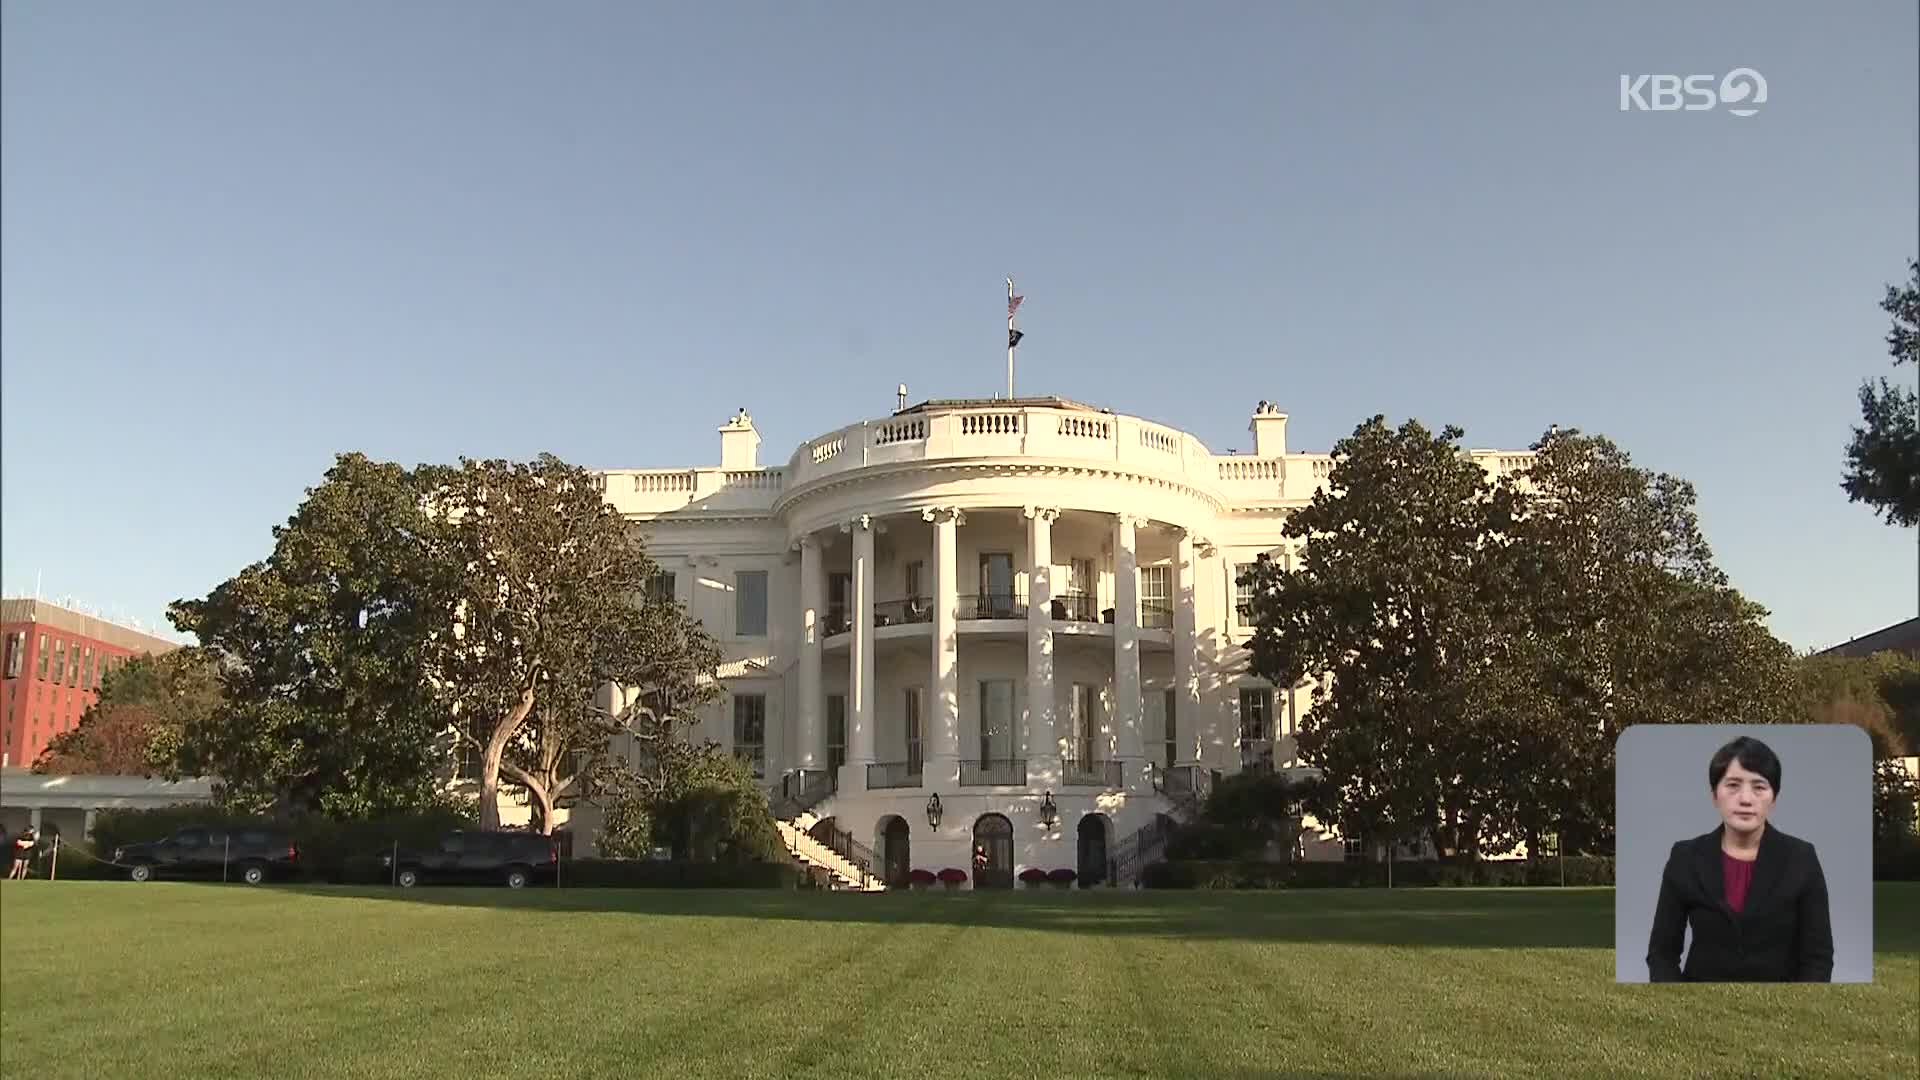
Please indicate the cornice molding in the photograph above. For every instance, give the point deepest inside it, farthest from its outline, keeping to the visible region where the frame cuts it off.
(1049, 468)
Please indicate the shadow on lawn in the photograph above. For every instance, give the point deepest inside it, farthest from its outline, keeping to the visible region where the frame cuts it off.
(1452, 918)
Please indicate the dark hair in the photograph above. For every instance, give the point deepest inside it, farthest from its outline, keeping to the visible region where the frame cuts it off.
(1753, 756)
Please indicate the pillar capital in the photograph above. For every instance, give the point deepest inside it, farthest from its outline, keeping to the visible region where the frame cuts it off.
(804, 541)
(1130, 519)
(942, 514)
(861, 523)
(1042, 513)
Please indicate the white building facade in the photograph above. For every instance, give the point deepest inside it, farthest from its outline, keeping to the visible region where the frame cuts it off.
(1007, 628)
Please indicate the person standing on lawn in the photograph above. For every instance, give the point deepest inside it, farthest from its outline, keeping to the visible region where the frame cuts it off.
(22, 851)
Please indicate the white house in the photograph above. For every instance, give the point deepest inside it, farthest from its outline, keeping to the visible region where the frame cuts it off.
(1023, 611)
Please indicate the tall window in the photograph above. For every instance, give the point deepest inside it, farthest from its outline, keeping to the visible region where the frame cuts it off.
(1243, 593)
(41, 664)
(1156, 597)
(1256, 728)
(839, 603)
(1169, 728)
(916, 580)
(750, 731)
(86, 674)
(660, 588)
(16, 653)
(996, 721)
(916, 752)
(750, 603)
(996, 584)
(59, 662)
(1085, 723)
(1080, 577)
(836, 731)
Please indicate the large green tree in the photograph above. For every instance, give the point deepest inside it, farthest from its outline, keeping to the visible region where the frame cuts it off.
(322, 651)
(1393, 612)
(1476, 646)
(1883, 456)
(548, 589)
(136, 724)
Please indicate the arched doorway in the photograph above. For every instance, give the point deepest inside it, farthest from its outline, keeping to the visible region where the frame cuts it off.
(993, 835)
(823, 830)
(1092, 868)
(896, 850)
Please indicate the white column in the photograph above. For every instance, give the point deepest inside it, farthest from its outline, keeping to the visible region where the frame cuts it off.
(813, 591)
(1126, 648)
(1042, 743)
(1186, 680)
(860, 705)
(33, 819)
(87, 830)
(943, 698)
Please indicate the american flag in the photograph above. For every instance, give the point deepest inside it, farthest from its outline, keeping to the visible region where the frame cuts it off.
(1013, 304)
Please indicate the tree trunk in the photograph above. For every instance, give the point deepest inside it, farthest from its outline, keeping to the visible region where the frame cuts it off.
(496, 749)
(542, 798)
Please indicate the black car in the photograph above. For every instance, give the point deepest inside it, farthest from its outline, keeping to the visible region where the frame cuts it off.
(252, 855)
(515, 859)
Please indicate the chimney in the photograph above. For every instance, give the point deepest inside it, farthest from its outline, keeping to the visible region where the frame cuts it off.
(739, 443)
(903, 398)
(1269, 428)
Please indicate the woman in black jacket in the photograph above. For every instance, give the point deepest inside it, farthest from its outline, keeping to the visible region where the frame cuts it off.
(1754, 896)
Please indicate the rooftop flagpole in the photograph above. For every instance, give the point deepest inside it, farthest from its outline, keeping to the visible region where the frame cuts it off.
(1013, 336)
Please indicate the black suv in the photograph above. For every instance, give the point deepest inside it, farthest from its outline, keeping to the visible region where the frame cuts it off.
(252, 855)
(513, 858)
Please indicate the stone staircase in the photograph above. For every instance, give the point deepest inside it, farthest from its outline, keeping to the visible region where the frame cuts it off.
(846, 874)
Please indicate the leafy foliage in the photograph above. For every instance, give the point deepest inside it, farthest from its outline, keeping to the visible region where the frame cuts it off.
(136, 724)
(548, 587)
(1475, 646)
(1883, 456)
(707, 806)
(1875, 693)
(321, 651)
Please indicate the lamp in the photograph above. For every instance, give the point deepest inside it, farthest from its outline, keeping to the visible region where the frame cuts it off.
(1049, 813)
(933, 810)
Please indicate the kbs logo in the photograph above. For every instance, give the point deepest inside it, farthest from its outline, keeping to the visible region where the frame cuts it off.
(1741, 91)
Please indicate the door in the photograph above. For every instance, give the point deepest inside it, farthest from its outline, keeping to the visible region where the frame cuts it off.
(1092, 868)
(993, 852)
(896, 847)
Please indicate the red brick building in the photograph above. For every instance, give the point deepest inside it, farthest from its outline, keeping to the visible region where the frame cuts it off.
(54, 661)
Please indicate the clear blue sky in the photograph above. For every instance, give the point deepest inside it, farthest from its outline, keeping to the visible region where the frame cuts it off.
(239, 238)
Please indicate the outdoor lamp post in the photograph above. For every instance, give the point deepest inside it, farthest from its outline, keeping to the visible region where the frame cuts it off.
(1049, 813)
(933, 810)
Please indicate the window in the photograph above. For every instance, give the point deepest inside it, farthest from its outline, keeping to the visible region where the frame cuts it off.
(1169, 729)
(1084, 732)
(16, 653)
(1256, 728)
(996, 584)
(836, 731)
(996, 721)
(750, 730)
(916, 753)
(839, 603)
(750, 603)
(1243, 593)
(916, 579)
(42, 653)
(86, 674)
(1079, 577)
(660, 588)
(1156, 597)
(60, 662)
(1356, 846)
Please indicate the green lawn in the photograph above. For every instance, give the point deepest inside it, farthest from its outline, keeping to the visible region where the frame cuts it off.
(108, 979)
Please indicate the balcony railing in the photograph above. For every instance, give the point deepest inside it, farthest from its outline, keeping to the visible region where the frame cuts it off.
(893, 774)
(996, 773)
(835, 621)
(992, 606)
(914, 609)
(1074, 608)
(1077, 772)
(803, 789)
(1155, 615)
